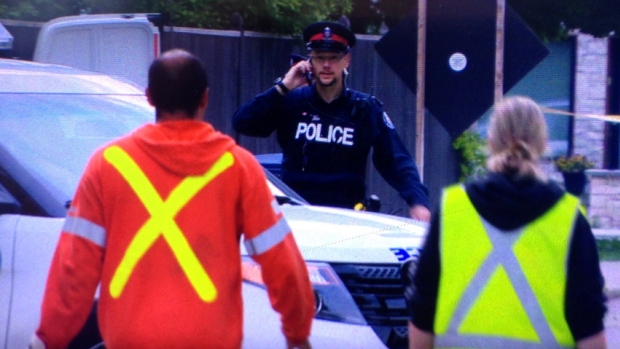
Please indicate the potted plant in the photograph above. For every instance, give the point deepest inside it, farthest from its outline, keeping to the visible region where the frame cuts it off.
(573, 170)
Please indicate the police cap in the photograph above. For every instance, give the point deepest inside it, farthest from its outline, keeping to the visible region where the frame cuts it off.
(328, 36)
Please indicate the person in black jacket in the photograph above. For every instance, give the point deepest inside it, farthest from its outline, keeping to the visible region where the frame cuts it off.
(326, 130)
(514, 205)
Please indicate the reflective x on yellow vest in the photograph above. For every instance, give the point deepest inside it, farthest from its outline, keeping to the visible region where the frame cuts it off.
(502, 289)
(161, 223)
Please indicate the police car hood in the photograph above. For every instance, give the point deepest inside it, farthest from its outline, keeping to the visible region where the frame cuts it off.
(184, 147)
(343, 235)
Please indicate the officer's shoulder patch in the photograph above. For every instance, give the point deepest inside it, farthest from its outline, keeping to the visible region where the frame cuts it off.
(387, 121)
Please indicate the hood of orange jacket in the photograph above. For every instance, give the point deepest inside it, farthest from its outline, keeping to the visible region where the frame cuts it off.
(184, 147)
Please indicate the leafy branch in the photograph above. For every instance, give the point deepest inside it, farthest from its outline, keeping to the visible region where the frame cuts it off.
(471, 148)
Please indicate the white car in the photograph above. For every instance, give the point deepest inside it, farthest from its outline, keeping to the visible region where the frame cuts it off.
(51, 120)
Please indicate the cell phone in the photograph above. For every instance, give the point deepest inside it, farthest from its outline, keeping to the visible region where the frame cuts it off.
(295, 58)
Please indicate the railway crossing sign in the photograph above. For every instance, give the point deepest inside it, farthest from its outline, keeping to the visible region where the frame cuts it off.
(460, 57)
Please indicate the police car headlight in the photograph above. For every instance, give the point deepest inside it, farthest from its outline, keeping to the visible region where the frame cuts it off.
(331, 298)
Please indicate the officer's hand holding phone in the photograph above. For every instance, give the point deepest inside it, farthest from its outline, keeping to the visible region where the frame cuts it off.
(296, 58)
(300, 74)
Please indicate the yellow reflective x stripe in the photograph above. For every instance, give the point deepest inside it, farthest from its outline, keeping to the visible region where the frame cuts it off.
(162, 221)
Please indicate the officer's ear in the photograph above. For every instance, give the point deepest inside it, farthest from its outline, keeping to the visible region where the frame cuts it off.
(202, 106)
(347, 59)
(204, 101)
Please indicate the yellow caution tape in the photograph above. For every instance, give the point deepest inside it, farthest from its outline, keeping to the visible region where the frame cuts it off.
(609, 118)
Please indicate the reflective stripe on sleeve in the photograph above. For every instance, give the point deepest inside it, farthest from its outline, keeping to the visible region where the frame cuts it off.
(268, 238)
(276, 207)
(86, 229)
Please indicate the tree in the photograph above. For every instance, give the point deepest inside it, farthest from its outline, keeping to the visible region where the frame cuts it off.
(272, 16)
(550, 19)
(37, 10)
(367, 16)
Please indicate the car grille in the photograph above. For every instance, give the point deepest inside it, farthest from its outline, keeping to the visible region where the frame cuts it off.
(379, 293)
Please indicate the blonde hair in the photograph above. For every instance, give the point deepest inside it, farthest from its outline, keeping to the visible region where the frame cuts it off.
(517, 138)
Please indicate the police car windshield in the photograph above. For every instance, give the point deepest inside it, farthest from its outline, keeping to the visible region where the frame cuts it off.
(282, 192)
(48, 138)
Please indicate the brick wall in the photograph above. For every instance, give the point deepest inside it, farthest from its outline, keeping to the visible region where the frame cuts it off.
(602, 196)
(604, 199)
(590, 96)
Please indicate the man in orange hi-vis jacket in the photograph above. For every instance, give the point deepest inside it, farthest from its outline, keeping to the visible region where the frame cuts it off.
(157, 220)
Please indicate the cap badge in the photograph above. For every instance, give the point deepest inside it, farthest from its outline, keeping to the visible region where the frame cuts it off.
(327, 33)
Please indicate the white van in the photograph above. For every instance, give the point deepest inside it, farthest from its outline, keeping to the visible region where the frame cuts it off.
(114, 44)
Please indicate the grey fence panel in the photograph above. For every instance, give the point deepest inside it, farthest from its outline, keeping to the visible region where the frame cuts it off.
(219, 54)
(441, 166)
(263, 59)
(24, 37)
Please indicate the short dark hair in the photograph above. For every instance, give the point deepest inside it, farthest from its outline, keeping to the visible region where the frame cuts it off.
(177, 82)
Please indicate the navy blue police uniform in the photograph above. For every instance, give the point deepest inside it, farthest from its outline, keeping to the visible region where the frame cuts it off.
(325, 146)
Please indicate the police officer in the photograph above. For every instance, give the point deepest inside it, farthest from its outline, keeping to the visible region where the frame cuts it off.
(326, 130)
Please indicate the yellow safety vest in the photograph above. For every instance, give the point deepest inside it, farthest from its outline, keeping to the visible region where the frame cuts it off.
(501, 289)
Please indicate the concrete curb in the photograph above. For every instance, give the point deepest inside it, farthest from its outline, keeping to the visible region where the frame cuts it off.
(606, 233)
(610, 269)
(611, 294)
(611, 273)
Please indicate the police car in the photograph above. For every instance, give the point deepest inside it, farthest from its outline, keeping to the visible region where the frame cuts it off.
(51, 120)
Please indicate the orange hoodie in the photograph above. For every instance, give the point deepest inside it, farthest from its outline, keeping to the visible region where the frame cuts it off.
(157, 219)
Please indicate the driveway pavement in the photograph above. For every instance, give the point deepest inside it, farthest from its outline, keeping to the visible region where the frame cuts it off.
(611, 270)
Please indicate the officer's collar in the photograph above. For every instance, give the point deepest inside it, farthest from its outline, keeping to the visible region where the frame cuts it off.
(341, 99)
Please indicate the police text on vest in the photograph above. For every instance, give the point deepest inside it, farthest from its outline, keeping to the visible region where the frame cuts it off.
(334, 134)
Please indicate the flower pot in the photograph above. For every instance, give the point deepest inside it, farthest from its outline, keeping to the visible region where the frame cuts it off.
(575, 182)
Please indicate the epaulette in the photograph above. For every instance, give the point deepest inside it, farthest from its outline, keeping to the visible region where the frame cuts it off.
(376, 100)
(373, 98)
(363, 103)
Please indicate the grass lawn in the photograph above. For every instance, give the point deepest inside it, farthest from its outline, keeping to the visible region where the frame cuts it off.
(608, 249)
